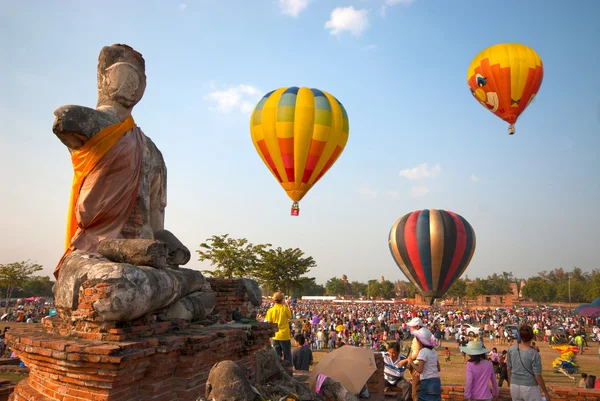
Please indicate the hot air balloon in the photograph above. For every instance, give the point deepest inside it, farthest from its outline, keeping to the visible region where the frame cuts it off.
(299, 133)
(432, 248)
(505, 78)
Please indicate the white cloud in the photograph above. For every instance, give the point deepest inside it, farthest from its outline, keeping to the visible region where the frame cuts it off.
(419, 190)
(241, 97)
(293, 7)
(391, 3)
(347, 19)
(474, 178)
(182, 6)
(421, 171)
(368, 192)
(370, 47)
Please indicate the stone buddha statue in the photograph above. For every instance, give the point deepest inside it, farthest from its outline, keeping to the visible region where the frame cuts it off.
(115, 225)
(120, 182)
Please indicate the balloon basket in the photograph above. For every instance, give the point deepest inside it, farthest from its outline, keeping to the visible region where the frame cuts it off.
(511, 130)
(430, 296)
(295, 209)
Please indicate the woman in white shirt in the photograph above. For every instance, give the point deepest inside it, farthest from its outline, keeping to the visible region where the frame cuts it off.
(427, 365)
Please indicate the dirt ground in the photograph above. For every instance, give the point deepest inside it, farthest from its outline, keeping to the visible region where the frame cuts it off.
(453, 372)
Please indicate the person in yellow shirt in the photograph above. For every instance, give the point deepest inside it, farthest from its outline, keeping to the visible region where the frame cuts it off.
(280, 314)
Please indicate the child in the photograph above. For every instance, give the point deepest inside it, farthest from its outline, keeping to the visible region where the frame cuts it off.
(447, 353)
(583, 381)
(480, 372)
(302, 357)
(503, 370)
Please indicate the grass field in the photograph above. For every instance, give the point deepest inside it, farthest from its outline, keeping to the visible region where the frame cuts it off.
(453, 372)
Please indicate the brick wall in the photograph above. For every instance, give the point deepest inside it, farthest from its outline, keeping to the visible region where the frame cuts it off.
(166, 367)
(231, 294)
(6, 388)
(456, 393)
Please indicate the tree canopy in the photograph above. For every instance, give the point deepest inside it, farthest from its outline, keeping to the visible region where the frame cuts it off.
(14, 275)
(230, 257)
(278, 269)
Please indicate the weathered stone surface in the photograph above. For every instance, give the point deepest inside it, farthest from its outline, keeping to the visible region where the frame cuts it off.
(272, 379)
(132, 291)
(74, 125)
(226, 382)
(234, 294)
(253, 290)
(333, 390)
(178, 253)
(195, 306)
(138, 252)
(121, 85)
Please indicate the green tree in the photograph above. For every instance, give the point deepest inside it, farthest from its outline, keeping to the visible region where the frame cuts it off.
(458, 290)
(335, 286)
(405, 289)
(388, 290)
(477, 287)
(14, 275)
(230, 257)
(539, 289)
(373, 289)
(594, 290)
(282, 269)
(497, 285)
(307, 286)
(358, 289)
(36, 286)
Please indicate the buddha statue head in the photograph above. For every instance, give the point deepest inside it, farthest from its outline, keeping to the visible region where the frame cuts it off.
(121, 77)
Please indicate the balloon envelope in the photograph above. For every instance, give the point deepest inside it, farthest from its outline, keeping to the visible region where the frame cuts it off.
(299, 133)
(589, 311)
(505, 78)
(432, 248)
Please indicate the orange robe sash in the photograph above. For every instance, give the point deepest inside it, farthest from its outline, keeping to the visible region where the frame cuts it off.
(84, 160)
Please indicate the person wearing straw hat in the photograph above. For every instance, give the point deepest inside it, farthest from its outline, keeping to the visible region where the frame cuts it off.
(480, 372)
(281, 314)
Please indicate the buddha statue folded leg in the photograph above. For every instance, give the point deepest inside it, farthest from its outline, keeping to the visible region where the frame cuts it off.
(124, 292)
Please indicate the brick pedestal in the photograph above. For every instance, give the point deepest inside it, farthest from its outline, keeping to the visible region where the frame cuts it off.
(77, 357)
(168, 366)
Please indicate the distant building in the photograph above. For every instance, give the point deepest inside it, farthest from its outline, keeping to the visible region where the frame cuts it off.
(515, 293)
(494, 301)
(523, 283)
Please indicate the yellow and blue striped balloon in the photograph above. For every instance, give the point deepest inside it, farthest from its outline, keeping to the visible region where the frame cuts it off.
(299, 133)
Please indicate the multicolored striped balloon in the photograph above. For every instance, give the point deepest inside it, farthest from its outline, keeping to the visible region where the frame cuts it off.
(432, 248)
(299, 133)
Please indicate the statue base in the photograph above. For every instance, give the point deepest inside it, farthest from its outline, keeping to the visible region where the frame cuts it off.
(80, 357)
(164, 361)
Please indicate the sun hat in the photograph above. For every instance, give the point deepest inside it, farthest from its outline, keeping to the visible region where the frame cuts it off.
(278, 296)
(415, 322)
(474, 348)
(424, 336)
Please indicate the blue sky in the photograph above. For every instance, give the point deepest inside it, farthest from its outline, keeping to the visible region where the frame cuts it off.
(399, 68)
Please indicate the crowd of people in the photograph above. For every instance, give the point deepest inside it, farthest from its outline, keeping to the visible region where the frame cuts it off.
(408, 337)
